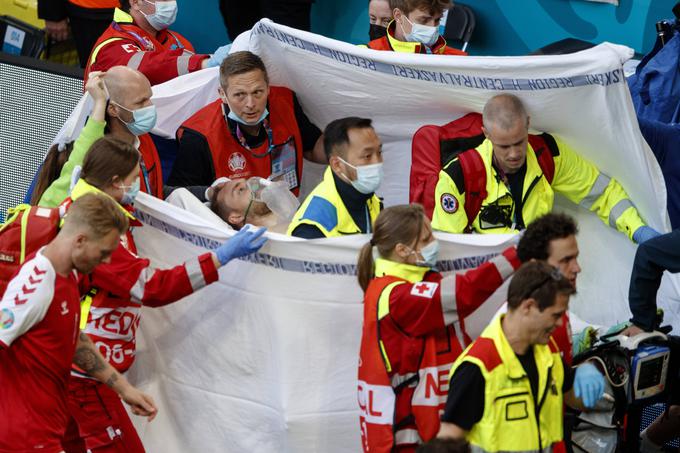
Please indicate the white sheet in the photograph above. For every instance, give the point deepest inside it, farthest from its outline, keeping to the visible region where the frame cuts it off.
(265, 360)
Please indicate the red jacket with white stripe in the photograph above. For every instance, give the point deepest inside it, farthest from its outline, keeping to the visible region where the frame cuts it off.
(412, 334)
(160, 58)
(110, 312)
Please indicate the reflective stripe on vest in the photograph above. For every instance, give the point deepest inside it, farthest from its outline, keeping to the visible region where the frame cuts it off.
(325, 210)
(509, 419)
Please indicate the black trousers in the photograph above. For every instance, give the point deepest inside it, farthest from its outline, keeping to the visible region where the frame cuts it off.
(87, 25)
(241, 15)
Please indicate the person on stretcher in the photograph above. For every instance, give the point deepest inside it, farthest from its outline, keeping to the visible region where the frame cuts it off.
(236, 202)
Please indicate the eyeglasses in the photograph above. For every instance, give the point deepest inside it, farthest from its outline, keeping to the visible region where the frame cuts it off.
(554, 275)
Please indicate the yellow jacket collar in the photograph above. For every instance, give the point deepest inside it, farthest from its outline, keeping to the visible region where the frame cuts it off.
(533, 168)
(515, 368)
(122, 17)
(82, 187)
(408, 272)
(412, 47)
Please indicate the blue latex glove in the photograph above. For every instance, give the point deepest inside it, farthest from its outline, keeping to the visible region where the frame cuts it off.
(588, 384)
(644, 233)
(219, 55)
(242, 243)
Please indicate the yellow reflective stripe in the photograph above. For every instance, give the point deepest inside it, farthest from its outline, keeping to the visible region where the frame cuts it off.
(24, 227)
(384, 310)
(85, 305)
(618, 210)
(13, 213)
(96, 50)
(384, 300)
(388, 365)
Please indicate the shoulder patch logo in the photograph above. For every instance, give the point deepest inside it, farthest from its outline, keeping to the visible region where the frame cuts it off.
(449, 203)
(424, 289)
(6, 318)
(236, 162)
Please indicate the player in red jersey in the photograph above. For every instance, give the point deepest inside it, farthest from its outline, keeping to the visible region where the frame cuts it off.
(39, 335)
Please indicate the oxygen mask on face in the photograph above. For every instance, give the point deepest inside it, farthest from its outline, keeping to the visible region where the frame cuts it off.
(276, 196)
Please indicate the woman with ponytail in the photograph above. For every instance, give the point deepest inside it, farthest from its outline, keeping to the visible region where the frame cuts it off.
(413, 327)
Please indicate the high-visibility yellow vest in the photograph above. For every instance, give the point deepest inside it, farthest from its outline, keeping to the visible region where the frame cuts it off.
(324, 209)
(513, 421)
(575, 178)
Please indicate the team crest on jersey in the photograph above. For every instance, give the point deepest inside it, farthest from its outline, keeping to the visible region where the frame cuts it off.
(449, 203)
(236, 162)
(64, 308)
(6, 318)
(424, 289)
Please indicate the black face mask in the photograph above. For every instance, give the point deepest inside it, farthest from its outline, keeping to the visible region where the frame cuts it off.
(376, 31)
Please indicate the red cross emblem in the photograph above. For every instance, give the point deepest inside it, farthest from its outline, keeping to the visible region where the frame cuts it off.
(424, 289)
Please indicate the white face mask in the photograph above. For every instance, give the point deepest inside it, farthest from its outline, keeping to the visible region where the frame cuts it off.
(423, 34)
(368, 179)
(430, 254)
(165, 15)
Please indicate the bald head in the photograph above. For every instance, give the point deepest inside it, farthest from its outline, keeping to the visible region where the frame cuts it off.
(503, 111)
(126, 85)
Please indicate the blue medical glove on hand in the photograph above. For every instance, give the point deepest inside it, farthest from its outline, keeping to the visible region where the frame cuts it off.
(588, 384)
(242, 243)
(644, 233)
(219, 55)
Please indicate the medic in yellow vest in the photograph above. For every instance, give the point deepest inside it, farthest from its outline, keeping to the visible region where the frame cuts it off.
(517, 189)
(507, 389)
(345, 201)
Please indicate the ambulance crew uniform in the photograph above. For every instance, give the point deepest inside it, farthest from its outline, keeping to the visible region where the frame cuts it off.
(514, 201)
(110, 317)
(39, 316)
(87, 18)
(335, 208)
(160, 59)
(497, 395)
(389, 42)
(412, 333)
(211, 145)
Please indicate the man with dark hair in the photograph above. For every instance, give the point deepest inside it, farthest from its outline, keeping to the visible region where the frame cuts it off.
(508, 388)
(345, 201)
(520, 174)
(39, 335)
(552, 238)
(139, 38)
(253, 129)
(415, 28)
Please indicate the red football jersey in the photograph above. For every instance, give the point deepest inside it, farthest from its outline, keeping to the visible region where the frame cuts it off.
(39, 315)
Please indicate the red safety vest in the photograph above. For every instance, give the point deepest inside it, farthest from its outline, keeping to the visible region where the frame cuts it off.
(233, 160)
(151, 174)
(401, 409)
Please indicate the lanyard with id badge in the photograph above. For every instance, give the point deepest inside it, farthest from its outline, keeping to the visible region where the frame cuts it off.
(283, 156)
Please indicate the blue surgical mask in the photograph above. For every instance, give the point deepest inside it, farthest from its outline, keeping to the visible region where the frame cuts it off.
(430, 254)
(368, 179)
(233, 116)
(143, 120)
(130, 193)
(423, 34)
(165, 15)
